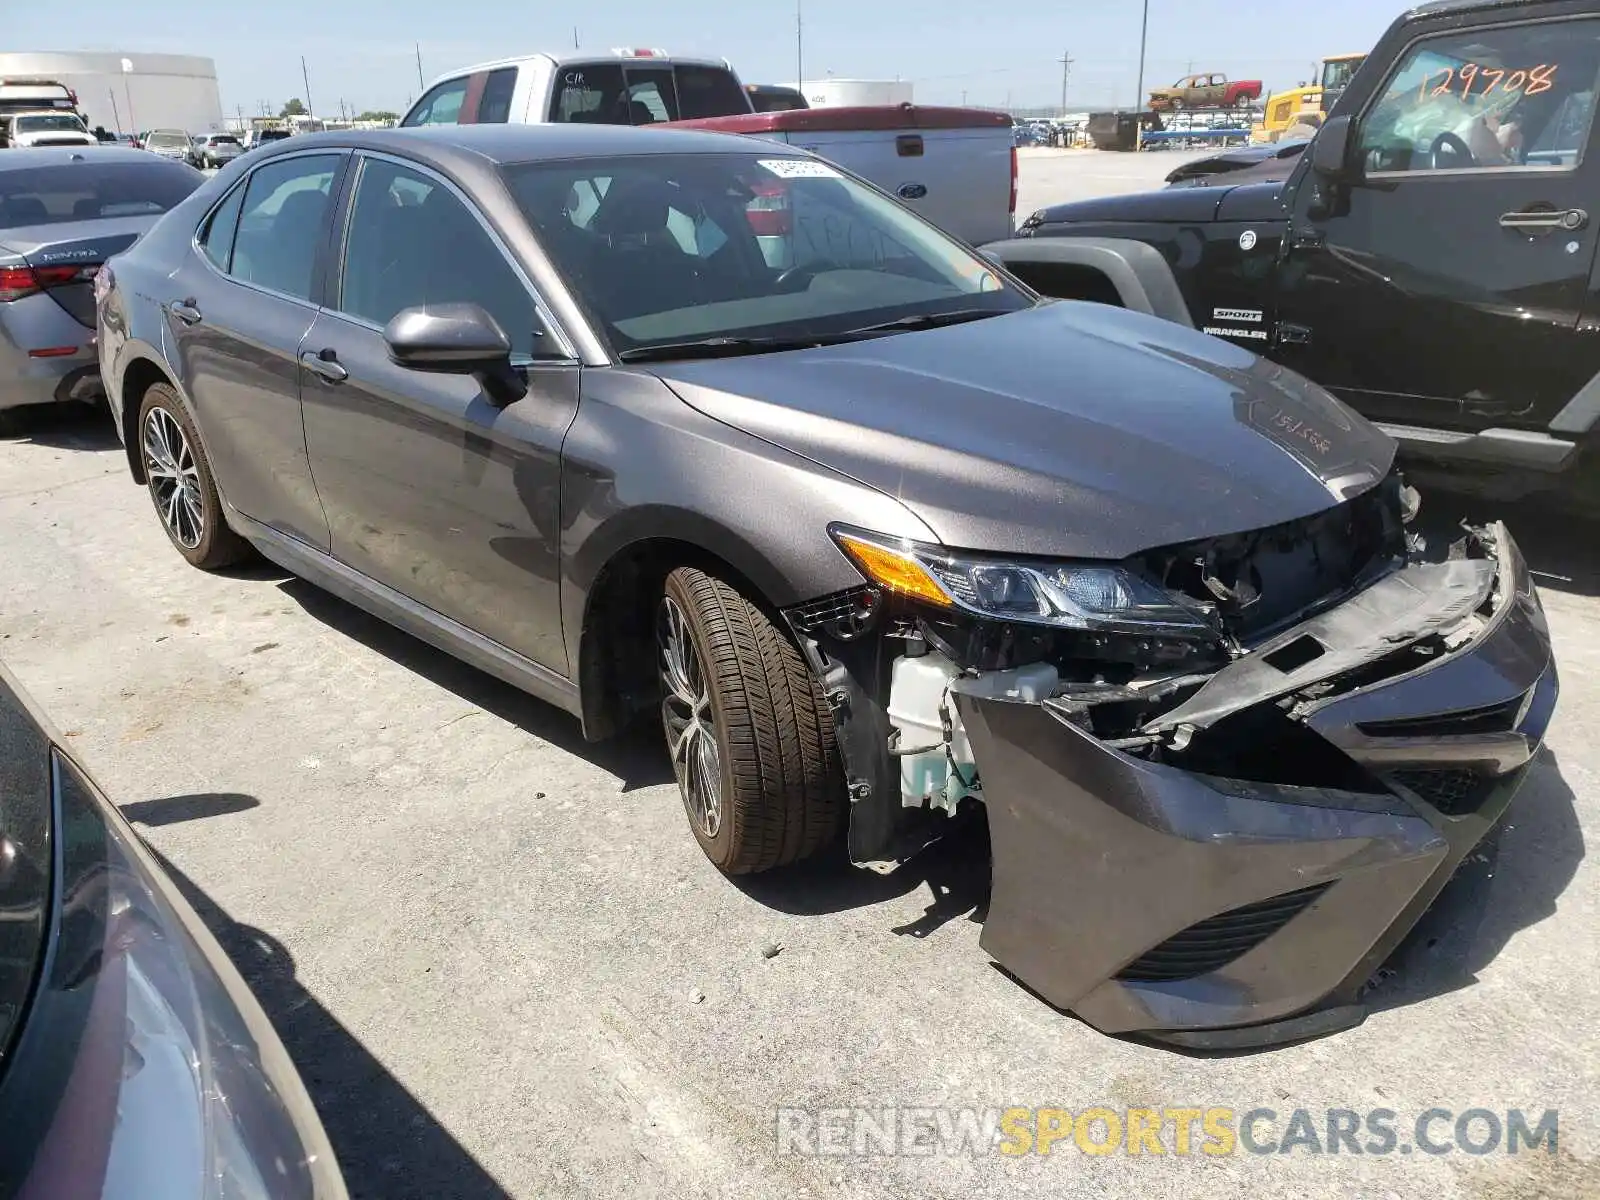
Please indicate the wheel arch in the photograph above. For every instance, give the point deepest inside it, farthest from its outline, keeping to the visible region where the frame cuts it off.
(142, 372)
(615, 583)
(1136, 274)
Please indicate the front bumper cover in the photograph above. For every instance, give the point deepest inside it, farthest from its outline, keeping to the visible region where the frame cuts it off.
(1218, 913)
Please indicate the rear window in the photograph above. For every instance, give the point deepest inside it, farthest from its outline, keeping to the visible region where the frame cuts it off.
(272, 135)
(224, 141)
(643, 93)
(167, 138)
(51, 123)
(90, 190)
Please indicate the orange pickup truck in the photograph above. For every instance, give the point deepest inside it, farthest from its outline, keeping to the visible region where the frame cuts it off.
(1206, 91)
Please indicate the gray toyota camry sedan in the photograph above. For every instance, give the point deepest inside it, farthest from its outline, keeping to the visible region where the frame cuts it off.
(667, 422)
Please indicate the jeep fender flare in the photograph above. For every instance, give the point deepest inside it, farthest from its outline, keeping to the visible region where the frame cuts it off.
(1141, 276)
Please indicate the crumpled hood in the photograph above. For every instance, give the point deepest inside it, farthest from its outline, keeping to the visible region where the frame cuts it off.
(1069, 430)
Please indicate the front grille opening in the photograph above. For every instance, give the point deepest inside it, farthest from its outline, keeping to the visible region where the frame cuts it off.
(1264, 745)
(1492, 718)
(1212, 944)
(1454, 791)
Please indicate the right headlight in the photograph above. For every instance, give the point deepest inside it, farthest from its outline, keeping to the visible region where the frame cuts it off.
(1084, 595)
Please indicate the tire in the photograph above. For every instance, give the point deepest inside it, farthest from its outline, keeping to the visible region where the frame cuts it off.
(745, 711)
(182, 488)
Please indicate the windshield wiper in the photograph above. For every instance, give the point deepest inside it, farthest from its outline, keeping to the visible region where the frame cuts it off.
(724, 347)
(931, 320)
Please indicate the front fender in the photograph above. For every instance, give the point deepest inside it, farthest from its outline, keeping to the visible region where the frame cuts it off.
(1143, 280)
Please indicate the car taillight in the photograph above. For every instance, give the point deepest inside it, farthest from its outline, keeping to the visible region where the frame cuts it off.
(768, 213)
(1013, 181)
(18, 282)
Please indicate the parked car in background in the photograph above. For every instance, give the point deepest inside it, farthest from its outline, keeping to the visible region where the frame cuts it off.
(133, 1059)
(63, 212)
(1206, 91)
(255, 139)
(878, 536)
(1429, 257)
(24, 129)
(212, 150)
(169, 143)
(625, 87)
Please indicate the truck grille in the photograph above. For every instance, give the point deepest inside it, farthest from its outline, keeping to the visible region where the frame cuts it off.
(1212, 944)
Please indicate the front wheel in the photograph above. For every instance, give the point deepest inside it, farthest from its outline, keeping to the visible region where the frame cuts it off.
(751, 739)
(181, 485)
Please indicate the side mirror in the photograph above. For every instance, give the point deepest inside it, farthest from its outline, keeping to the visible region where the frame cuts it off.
(1330, 150)
(456, 339)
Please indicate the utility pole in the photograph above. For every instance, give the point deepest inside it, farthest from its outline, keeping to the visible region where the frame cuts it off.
(1066, 60)
(799, 49)
(1144, 41)
(420, 84)
(116, 116)
(305, 78)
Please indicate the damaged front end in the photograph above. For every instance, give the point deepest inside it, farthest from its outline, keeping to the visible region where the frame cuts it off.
(1222, 779)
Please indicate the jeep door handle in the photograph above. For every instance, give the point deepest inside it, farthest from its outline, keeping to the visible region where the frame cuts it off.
(325, 364)
(1566, 220)
(185, 311)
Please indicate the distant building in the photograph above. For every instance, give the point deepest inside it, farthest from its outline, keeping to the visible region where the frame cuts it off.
(842, 93)
(131, 92)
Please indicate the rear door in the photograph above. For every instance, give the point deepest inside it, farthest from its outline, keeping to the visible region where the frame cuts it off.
(430, 488)
(1444, 290)
(243, 303)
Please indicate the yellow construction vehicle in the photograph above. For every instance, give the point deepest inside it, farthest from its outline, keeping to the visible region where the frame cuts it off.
(1309, 103)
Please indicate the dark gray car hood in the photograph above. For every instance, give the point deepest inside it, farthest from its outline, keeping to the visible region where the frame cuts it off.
(1071, 430)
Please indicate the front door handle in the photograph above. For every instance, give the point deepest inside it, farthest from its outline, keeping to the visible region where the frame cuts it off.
(185, 311)
(326, 364)
(1546, 220)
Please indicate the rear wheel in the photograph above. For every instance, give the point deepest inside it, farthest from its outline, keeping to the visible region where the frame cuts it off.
(181, 485)
(751, 739)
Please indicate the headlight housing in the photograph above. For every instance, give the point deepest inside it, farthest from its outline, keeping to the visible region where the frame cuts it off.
(1094, 596)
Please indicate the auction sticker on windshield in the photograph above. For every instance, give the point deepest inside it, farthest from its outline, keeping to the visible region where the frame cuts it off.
(798, 168)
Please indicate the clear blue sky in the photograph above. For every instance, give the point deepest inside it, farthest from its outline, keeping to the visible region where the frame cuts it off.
(361, 50)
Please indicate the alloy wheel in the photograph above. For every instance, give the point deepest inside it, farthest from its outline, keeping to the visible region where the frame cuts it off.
(174, 478)
(686, 714)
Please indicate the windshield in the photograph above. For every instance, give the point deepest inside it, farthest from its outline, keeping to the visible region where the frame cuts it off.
(669, 248)
(90, 190)
(50, 123)
(1336, 76)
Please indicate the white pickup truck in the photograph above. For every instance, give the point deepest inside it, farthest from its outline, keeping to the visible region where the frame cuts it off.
(41, 112)
(955, 166)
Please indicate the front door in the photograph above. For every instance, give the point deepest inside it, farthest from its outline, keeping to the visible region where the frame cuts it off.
(1444, 288)
(430, 489)
(245, 304)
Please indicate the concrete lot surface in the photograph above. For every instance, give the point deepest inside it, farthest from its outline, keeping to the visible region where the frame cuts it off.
(503, 966)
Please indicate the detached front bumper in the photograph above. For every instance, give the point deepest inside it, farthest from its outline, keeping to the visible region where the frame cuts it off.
(1216, 913)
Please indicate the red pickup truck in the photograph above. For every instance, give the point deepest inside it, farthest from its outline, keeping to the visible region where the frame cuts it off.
(1206, 91)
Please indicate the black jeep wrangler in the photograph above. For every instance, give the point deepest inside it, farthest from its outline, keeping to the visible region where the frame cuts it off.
(1430, 258)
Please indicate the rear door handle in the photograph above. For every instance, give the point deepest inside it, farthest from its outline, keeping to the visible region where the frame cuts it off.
(326, 364)
(185, 311)
(1565, 220)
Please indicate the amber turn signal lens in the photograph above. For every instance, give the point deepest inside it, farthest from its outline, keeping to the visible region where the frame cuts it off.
(893, 569)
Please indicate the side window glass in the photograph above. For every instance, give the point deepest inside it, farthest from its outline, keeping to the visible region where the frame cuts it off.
(441, 106)
(495, 106)
(412, 243)
(589, 94)
(216, 239)
(284, 221)
(1514, 97)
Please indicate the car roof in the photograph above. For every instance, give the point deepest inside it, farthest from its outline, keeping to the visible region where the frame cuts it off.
(529, 143)
(1440, 7)
(576, 56)
(55, 156)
